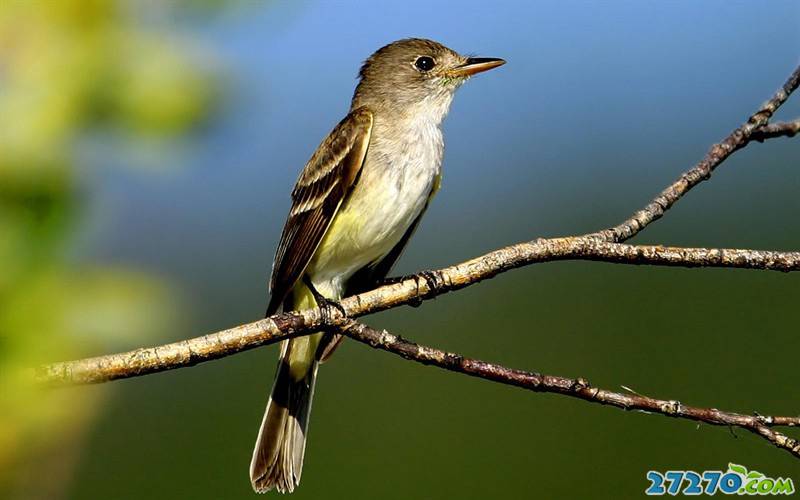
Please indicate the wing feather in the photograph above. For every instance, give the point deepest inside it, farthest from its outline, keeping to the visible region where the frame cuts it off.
(324, 182)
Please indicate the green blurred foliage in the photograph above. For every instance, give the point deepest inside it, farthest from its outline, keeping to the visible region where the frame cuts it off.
(68, 68)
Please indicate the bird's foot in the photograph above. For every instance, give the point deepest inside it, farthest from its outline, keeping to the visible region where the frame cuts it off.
(326, 305)
(391, 281)
(432, 279)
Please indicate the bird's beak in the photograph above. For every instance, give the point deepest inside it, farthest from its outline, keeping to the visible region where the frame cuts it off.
(475, 65)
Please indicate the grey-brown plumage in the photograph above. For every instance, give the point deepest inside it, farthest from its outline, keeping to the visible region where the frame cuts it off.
(354, 207)
(316, 197)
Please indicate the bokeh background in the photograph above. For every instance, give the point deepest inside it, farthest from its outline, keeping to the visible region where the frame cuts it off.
(146, 155)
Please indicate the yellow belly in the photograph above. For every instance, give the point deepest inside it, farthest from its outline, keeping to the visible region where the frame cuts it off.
(367, 226)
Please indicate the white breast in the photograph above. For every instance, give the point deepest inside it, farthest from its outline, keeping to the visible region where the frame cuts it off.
(396, 180)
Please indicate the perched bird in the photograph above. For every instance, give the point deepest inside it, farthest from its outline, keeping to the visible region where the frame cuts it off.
(355, 205)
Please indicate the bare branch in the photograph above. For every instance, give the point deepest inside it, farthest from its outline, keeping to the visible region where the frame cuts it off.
(686, 257)
(718, 153)
(411, 290)
(576, 388)
(773, 130)
(180, 354)
(213, 346)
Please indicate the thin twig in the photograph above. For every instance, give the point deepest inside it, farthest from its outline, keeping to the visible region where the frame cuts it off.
(573, 387)
(773, 130)
(412, 290)
(686, 257)
(217, 345)
(718, 153)
(181, 354)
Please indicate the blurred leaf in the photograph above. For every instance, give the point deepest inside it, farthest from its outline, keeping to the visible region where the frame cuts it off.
(160, 91)
(67, 67)
(59, 316)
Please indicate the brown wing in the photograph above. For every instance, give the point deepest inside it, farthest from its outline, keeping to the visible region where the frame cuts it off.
(323, 184)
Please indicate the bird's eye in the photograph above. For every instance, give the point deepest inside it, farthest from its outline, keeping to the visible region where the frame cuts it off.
(424, 63)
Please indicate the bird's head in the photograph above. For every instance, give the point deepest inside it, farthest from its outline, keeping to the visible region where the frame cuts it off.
(415, 72)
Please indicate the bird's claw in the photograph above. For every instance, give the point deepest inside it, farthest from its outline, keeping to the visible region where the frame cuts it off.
(391, 281)
(326, 305)
(431, 278)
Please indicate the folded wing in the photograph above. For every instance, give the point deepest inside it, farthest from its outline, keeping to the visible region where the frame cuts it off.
(324, 183)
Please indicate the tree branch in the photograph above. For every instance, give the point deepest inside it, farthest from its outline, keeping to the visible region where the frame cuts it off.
(684, 257)
(279, 327)
(773, 130)
(577, 388)
(718, 153)
(411, 290)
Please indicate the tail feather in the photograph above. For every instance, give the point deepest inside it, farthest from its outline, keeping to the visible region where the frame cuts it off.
(278, 456)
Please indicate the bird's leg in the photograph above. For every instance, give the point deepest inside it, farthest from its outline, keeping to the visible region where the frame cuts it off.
(325, 305)
(432, 279)
(392, 281)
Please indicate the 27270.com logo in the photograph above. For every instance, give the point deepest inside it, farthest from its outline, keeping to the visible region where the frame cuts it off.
(737, 480)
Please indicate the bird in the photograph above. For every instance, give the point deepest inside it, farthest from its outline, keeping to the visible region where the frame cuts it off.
(355, 205)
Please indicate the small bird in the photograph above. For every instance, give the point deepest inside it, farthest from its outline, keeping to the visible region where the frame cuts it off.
(356, 204)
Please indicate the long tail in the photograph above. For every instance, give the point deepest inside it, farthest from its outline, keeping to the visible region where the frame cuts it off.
(278, 456)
